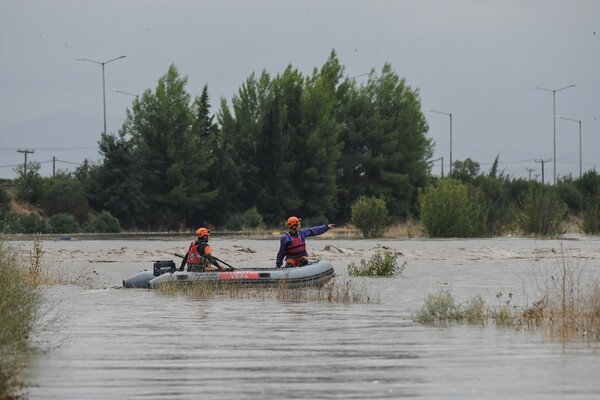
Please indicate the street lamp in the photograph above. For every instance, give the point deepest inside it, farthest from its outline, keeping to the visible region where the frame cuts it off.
(553, 119)
(579, 121)
(103, 85)
(122, 92)
(450, 115)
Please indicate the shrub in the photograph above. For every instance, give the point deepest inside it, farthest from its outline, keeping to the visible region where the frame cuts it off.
(568, 192)
(448, 210)
(380, 264)
(370, 215)
(104, 222)
(437, 307)
(4, 209)
(63, 223)
(541, 213)
(591, 216)
(29, 223)
(249, 219)
(64, 194)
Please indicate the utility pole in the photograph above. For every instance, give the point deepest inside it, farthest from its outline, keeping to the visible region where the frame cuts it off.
(53, 166)
(542, 162)
(530, 170)
(25, 164)
(438, 159)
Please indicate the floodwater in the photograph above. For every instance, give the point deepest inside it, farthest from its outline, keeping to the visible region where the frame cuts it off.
(141, 344)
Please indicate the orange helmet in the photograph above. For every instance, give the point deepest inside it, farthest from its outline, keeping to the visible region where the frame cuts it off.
(293, 221)
(202, 232)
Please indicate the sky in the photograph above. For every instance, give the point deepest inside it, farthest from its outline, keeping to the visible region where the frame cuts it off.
(479, 60)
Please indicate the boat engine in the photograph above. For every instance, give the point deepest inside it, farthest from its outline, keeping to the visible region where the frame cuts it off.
(163, 267)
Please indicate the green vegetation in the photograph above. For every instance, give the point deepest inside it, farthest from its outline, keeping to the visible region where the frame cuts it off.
(318, 145)
(335, 291)
(542, 212)
(19, 302)
(449, 210)
(249, 219)
(591, 216)
(380, 264)
(566, 309)
(103, 223)
(370, 215)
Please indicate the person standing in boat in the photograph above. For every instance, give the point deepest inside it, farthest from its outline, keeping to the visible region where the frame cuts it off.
(199, 255)
(292, 245)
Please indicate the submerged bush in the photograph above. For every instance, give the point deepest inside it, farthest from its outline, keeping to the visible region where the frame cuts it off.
(437, 307)
(380, 264)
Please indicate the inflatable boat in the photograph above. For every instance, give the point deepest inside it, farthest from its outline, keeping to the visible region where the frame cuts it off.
(315, 273)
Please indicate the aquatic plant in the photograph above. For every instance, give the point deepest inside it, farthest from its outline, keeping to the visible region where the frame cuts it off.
(566, 309)
(380, 264)
(437, 308)
(335, 291)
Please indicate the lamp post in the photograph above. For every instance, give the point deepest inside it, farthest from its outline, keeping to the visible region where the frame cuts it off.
(450, 115)
(122, 92)
(578, 121)
(103, 82)
(554, 119)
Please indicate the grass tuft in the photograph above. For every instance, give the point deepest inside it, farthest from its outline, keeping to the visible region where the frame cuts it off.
(335, 291)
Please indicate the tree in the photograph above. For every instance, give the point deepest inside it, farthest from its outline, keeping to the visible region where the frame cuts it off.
(449, 210)
(318, 148)
(116, 184)
(165, 144)
(370, 215)
(385, 148)
(65, 194)
(29, 183)
(467, 170)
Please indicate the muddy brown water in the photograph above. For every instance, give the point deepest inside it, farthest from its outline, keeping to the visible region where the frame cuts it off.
(140, 344)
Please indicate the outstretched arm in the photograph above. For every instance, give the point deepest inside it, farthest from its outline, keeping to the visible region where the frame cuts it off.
(317, 230)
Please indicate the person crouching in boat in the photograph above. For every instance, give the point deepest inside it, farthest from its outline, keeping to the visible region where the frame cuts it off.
(292, 245)
(199, 255)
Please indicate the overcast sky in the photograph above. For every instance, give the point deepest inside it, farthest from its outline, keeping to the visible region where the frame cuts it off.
(475, 59)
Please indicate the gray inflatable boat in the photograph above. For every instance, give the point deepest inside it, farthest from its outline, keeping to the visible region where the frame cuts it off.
(316, 273)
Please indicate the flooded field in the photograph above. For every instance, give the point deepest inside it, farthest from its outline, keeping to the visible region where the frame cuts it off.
(140, 344)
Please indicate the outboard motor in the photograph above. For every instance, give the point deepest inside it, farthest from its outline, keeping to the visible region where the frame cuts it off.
(142, 278)
(163, 267)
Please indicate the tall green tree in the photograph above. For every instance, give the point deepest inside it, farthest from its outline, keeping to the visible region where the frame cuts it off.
(386, 147)
(115, 185)
(166, 148)
(317, 148)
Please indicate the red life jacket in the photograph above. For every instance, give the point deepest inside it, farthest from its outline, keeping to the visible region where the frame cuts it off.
(296, 248)
(196, 254)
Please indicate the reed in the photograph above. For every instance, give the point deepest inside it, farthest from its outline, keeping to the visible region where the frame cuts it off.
(19, 306)
(567, 310)
(335, 291)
